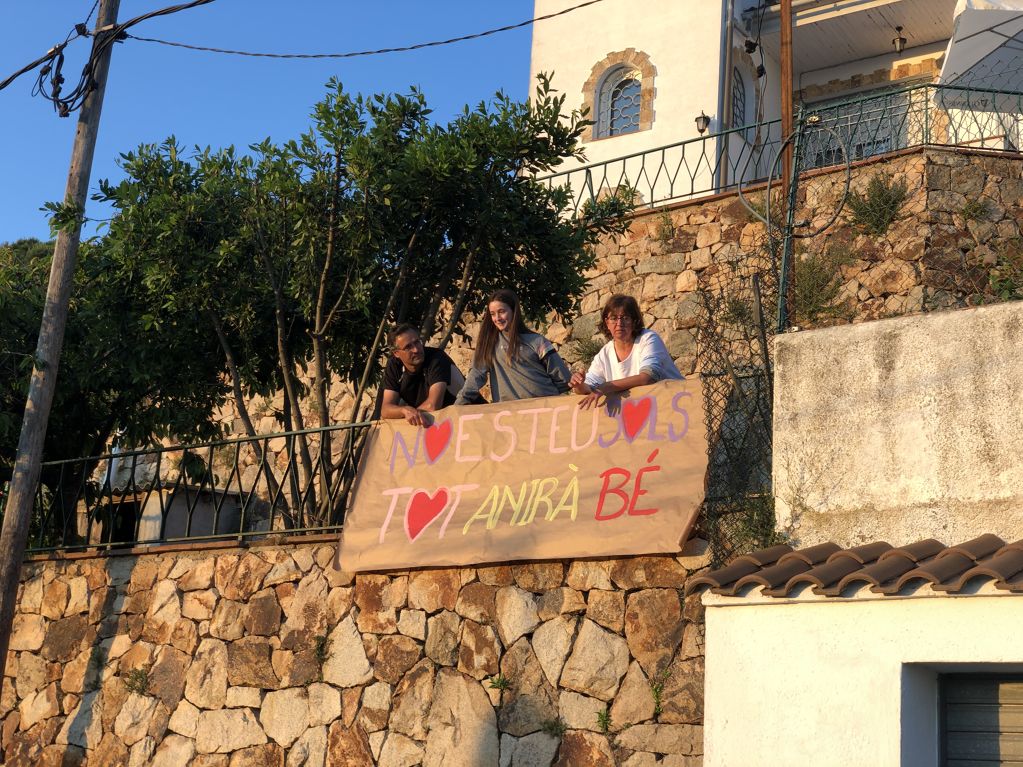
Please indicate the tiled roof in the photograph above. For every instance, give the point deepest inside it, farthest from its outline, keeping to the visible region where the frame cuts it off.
(829, 570)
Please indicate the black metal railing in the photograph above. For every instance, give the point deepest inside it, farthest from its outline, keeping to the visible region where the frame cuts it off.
(901, 118)
(290, 483)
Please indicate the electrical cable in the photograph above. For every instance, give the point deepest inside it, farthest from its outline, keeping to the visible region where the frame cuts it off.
(88, 18)
(50, 80)
(52, 61)
(354, 54)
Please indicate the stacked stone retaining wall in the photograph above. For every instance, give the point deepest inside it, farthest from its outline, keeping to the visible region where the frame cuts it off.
(270, 656)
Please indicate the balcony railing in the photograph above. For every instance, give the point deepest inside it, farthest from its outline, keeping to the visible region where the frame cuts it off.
(292, 483)
(922, 115)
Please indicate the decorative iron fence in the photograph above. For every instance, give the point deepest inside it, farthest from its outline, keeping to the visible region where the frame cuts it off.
(922, 115)
(292, 483)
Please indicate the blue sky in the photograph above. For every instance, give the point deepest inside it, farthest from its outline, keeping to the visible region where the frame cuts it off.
(204, 98)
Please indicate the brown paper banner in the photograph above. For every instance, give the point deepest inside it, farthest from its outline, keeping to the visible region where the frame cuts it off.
(531, 479)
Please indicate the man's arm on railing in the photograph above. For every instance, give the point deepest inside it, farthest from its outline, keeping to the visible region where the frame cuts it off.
(390, 407)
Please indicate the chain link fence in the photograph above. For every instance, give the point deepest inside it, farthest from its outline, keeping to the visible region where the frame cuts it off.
(735, 357)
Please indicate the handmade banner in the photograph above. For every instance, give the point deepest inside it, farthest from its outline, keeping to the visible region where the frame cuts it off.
(531, 479)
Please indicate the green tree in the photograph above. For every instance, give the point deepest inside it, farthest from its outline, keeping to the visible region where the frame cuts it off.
(118, 375)
(298, 255)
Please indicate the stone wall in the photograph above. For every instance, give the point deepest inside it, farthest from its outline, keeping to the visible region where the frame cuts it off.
(270, 656)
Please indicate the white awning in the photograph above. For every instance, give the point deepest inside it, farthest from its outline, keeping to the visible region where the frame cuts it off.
(985, 51)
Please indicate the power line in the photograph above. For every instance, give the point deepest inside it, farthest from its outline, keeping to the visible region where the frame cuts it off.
(94, 6)
(354, 54)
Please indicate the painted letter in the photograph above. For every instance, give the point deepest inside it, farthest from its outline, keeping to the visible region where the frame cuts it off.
(651, 432)
(410, 458)
(518, 505)
(513, 437)
(626, 475)
(542, 495)
(463, 435)
(674, 436)
(554, 429)
(457, 490)
(535, 412)
(490, 504)
(395, 493)
(569, 499)
(594, 414)
(637, 490)
(618, 430)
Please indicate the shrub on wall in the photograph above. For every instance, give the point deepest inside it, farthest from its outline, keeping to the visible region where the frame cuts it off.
(818, 285)
(874, 211)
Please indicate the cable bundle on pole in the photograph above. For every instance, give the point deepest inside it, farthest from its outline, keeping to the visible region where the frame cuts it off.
(50, 80)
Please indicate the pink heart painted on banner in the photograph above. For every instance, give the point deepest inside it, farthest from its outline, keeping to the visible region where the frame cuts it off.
(634, 415)
(436, 440)
(423, 508)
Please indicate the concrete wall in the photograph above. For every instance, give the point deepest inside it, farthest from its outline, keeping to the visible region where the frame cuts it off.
(836, 682)
(902, 429)
(269, 656)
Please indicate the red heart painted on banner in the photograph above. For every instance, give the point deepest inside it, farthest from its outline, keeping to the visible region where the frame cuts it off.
(422, 509)
(634, 415)
(436, 440)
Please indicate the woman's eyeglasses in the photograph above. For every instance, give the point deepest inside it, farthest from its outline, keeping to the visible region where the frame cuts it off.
(621, 319)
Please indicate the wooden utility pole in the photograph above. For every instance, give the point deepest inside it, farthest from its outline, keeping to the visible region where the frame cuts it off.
(18, 510)
(788, 279)
(786, 88)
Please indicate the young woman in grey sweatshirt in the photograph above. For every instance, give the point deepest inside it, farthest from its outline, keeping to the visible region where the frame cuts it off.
(520, 364)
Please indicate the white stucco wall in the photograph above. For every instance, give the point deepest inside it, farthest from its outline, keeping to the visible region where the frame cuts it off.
(901, 429)
(889, 61)
(682, 39)
(848, 683)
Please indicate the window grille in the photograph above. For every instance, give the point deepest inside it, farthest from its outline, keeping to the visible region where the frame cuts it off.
(738, 99)
(619, 100)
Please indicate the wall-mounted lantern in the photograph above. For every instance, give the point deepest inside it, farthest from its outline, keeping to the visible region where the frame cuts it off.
(702, 123)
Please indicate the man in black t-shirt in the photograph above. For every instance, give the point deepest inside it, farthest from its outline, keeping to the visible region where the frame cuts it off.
(418, 379)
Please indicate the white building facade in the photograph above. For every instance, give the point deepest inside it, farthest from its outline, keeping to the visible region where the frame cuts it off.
(685, 94)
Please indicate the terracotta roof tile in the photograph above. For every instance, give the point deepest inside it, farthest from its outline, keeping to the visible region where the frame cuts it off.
(866, 553)
(826, 575)
(885, 570)
(833, 571)
(744, 565)
(947, 565)
(774, 576)
(766, 557)
(815, 554)
(978, 548)
(918, 551)
(1003, 566)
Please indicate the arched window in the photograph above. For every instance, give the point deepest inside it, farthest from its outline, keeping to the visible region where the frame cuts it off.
(619, 94)
(738, 99)
(620, 101)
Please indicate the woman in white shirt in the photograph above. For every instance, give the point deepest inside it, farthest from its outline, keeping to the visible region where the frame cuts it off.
(633, 355)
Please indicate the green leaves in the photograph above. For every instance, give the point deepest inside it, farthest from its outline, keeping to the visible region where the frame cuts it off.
(64, 216)
(875, 210)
